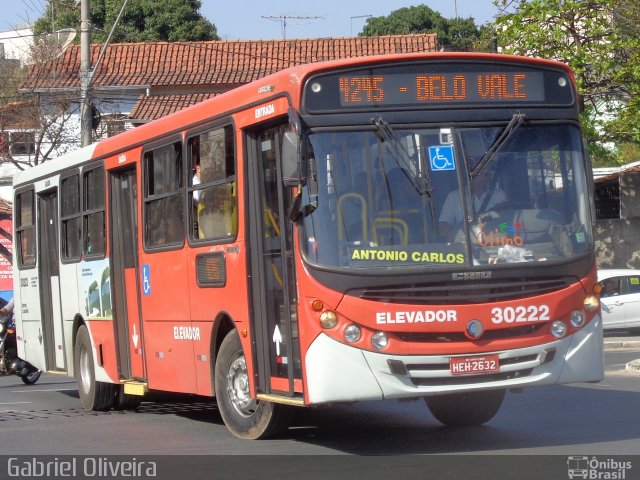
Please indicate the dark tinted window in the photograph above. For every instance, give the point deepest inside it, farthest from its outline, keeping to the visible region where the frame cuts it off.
(25, 229)
(71, 221)
(93, 212)
(163, 196)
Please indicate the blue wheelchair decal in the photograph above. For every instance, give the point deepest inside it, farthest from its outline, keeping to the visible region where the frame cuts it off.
(441, 158)
(146, 279)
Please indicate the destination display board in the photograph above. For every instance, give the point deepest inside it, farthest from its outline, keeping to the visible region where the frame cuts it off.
(437, 85)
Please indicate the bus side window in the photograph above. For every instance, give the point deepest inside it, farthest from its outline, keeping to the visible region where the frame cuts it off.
(163, 196)
(214, 212)
(70, 218)
(25, 229)
(93, 214)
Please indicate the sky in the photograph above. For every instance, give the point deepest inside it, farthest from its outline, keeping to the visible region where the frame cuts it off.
(243, 19)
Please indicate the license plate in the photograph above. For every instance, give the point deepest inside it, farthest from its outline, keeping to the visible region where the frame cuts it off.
(474, 365)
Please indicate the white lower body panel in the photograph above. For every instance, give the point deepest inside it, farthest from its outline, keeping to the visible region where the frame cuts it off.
(336, 372)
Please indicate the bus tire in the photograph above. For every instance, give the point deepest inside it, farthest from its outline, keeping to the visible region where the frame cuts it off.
(93, 395)
(245, 417)
(466, 409)
(123, 401)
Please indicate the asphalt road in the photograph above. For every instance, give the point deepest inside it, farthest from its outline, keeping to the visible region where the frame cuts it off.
(585, 419)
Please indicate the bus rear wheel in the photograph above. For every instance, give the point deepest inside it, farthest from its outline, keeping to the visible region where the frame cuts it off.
(244, 416)
(466, 409)
(93, 395)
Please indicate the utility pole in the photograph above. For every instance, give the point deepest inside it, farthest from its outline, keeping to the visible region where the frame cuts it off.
(85, 73)
(283, 21)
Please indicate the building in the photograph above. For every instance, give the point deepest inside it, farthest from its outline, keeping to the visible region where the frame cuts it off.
(16, 44)
(617, 230)
(139, 82)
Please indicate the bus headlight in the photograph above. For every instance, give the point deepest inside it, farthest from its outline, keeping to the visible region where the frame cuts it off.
(591, 303)
(379, 341)
(1, 327)
(328, 319)
(577, 318)
(352, 333)
(558, 329)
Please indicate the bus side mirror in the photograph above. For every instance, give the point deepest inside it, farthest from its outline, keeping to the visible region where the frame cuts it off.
(291, 159)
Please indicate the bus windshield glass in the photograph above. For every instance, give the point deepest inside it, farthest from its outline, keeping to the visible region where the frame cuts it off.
(445, 197)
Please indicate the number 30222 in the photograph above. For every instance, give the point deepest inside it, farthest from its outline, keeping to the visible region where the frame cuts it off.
(532, 313)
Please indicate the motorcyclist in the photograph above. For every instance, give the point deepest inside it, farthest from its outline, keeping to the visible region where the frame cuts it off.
(7, 310)
(24, 370)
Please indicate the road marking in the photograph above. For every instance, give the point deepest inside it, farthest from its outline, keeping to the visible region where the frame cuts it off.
(53, 390)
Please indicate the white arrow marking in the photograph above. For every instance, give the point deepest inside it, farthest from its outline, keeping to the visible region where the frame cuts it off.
(134, 337)
(277, 338)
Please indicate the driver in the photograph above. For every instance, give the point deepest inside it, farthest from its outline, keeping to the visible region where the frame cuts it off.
(483, 199)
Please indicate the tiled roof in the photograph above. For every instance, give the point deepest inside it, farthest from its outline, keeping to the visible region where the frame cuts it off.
(212, 63)
(624, 170)
(156, 106)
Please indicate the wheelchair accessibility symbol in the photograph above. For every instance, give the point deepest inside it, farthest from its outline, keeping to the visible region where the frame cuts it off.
(441, 158)
(146, 280)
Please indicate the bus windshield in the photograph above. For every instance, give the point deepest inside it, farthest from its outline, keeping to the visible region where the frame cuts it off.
(445, 197)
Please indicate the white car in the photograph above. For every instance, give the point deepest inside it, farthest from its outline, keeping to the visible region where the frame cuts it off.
(620, 299)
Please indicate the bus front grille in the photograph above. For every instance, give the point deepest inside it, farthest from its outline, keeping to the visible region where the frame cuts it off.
(449, 337)
(463, 293)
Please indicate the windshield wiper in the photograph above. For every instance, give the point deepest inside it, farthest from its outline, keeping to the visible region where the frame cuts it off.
(512, 126)
(402, 157)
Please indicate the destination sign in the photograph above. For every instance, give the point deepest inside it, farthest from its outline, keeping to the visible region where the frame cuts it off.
(438, 85)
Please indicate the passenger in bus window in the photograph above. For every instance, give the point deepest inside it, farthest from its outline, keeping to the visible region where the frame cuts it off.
(196, 180)
(484, 200)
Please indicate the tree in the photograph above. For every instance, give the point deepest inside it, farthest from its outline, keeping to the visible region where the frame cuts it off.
(142, 20)
(456, 34)
(12, 76)
(600, 40)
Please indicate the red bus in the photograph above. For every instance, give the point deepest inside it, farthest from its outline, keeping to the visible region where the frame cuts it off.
(394, 227)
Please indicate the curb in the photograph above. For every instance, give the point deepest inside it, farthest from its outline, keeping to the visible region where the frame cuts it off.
(613, 345)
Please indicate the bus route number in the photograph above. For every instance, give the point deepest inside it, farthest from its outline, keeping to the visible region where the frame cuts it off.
(520, 314)
(361, 89)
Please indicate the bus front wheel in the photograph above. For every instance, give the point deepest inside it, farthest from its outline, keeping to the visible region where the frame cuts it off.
(244, 416)
(466, 409)
(93, 395)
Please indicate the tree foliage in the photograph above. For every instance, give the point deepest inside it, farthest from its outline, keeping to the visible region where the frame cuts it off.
(12, 75)
(600, 41)
(456, 34)
(142, 20)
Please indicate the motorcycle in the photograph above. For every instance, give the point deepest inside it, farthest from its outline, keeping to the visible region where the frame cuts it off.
(9, 361)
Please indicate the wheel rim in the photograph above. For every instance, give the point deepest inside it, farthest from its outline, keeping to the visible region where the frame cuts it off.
(85, 373)
(238, 387)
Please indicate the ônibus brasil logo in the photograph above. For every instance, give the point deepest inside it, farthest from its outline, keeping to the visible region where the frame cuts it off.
(594, 468)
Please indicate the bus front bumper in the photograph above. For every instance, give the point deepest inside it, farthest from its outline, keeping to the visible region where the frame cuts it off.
(336, 372)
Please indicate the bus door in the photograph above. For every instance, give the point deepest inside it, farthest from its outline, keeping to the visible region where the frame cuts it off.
(124, 254)
(49, 271)
(272, 270)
